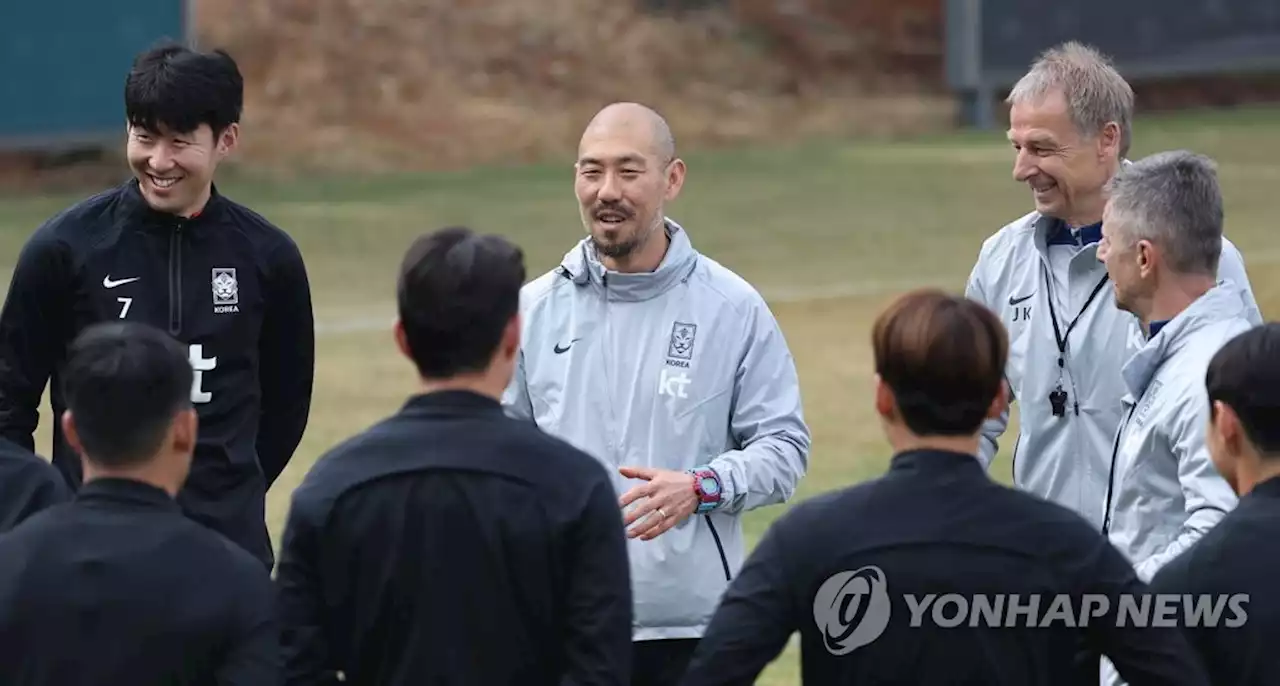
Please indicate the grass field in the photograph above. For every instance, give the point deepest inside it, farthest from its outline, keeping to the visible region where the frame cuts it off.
(827, 231)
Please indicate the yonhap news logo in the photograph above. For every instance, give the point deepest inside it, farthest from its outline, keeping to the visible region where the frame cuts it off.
(853, 608)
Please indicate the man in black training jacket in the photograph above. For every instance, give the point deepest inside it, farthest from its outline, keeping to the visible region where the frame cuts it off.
(852, 570)
(1241, 555)
(450, 543)
(117, 586)
(28, 484)
(167, 249)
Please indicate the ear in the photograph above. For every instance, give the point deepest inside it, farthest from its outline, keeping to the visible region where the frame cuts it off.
(186, 428)
(675, 178)
(1000, 403)
(70, 433)
(1109, 141)
(1147, 255)
(402, 341)
(511, 337)
(229, 139)
(886, 405)
(1226, 423)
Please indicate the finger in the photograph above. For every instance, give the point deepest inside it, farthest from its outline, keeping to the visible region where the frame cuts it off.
(643, 509)
(662, 528)
(637, 472)
(655, 517)
(645, 526)
(635, 494)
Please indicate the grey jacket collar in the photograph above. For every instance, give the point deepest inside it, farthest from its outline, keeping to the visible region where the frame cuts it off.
(583, 267)
(1221, 303)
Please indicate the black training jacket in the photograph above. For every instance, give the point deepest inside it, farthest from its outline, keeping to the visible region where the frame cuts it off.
(1230, 574)
(936, 574)
(451, 544)
(27, 485)
(117, 588)
(227, 283)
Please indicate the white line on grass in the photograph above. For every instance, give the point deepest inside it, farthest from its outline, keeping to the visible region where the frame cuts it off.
(783, 295)
(344, 325)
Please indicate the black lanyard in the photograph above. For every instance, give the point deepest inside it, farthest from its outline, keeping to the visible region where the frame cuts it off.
(1053, 315)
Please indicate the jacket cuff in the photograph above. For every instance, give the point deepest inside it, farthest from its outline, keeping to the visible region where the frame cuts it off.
(727, 490)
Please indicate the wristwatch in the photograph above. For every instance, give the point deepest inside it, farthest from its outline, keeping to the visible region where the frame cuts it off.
(706, 485)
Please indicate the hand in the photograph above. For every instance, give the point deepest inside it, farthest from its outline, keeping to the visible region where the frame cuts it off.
(669, 496)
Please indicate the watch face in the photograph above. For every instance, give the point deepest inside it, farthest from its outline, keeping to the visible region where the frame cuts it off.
(709, 486)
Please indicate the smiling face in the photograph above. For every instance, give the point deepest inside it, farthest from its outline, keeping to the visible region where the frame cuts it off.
(175, 170)
(1065, 169)
(624, 178)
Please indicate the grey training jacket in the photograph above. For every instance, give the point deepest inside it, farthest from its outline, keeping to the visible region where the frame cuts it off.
(1165, 492)
(681, 367)
(1065, 459)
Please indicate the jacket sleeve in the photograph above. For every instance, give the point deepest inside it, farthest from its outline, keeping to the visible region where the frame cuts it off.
(515, 399)
(33, 332)
(286, 361)
(767, 421)
(1231, 267)
(253, 655)
(300, 602)
(597, 636)
(1143, 654)
(992, 429)
(754, 618)
(1207, 496)
(47, 488)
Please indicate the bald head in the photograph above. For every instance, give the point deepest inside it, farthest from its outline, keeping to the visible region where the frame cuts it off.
(633, 122)
(627, 170)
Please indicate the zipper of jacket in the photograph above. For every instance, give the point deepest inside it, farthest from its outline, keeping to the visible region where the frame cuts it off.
(1111, 476)
(615, 444)
(175, 278)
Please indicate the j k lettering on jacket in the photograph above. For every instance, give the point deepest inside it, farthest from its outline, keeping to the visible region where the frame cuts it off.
(673, 369)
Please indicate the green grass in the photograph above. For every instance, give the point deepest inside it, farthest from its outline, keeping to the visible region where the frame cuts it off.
(828, 230)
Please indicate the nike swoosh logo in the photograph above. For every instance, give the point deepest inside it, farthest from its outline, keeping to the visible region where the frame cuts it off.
(108, 283)
(1015, 301)
(565, 349)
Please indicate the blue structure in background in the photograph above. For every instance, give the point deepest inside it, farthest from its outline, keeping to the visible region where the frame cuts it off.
(991, 43)
(64, 64)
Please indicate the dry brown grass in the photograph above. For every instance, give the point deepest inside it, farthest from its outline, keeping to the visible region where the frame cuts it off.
(371, 85)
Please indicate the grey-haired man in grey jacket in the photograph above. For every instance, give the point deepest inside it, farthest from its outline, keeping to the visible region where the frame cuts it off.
(672, 371)
(1162, 229)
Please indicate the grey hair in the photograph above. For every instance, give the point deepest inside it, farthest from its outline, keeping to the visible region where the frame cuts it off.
(1095, 92)
(1173, 200)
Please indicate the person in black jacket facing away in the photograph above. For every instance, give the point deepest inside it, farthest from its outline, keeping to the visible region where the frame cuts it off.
(1240, 555)
(118, 586)
(28, 484)
(847, 568)
(449, 543)
(166, 248)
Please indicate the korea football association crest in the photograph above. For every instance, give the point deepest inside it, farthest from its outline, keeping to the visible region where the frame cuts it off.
(682, 338)
(226, 290)
(674, 377)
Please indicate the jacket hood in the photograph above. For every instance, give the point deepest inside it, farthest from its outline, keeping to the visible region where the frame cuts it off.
(1223, 302)
(583, 267)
